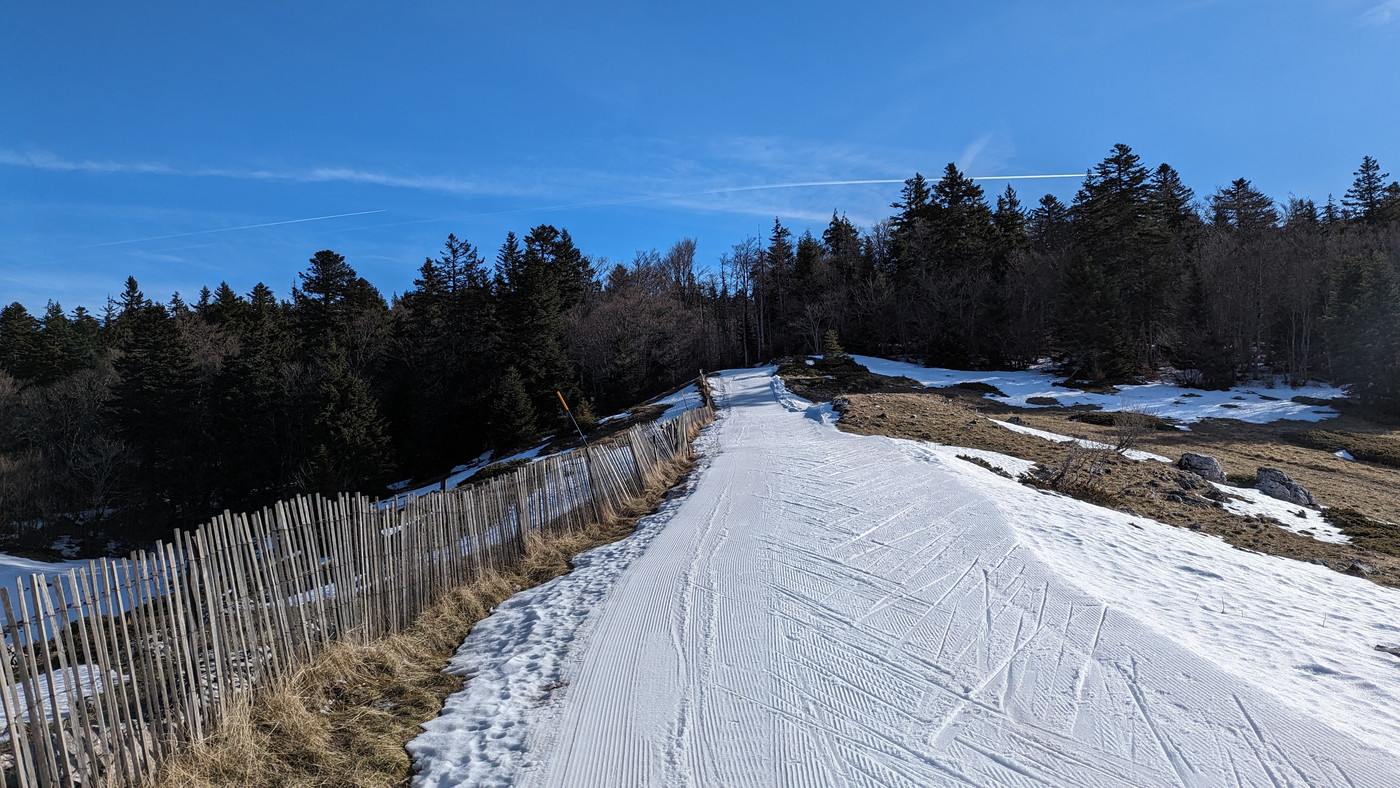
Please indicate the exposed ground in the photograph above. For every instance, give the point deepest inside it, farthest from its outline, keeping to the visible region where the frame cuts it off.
(1362, 492)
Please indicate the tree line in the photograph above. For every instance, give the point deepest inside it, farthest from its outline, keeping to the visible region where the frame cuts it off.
(153, 414)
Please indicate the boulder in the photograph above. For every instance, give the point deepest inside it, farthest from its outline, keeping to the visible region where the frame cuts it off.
(1202, 465)
(1276, 484)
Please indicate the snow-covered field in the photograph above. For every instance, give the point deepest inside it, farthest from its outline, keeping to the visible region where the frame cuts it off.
(1245, 403)
(830, 609)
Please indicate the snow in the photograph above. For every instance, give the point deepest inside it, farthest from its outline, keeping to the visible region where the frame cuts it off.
(1132, 454)
(831, 609)
(1344, 454)
(1292, 517)
(462, 473)
(14, 568)
(679, 402)
(1160, 399)
(88, 675)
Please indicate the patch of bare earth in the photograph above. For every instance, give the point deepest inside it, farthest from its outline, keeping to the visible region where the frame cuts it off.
(961, 416)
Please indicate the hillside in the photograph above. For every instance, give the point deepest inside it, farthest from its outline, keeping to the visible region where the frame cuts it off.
(823, 608)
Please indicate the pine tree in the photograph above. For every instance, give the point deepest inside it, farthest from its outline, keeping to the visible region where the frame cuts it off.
(1366, 197)
(153, 406)
(512, 416)
(21, 346)
(1113, 307)
(321, 299)
(1242, 208)
(349, 446)
(1363, 329)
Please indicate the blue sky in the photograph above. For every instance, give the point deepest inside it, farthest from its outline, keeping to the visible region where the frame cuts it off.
(130, 131)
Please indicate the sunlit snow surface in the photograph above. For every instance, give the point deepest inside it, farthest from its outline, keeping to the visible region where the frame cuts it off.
(831, 609)
(1257, 405)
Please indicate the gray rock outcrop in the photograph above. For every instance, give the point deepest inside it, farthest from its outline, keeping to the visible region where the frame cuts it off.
(1202, 465)
(1276, 484)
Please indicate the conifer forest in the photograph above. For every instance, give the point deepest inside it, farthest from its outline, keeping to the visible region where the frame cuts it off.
(157, 410)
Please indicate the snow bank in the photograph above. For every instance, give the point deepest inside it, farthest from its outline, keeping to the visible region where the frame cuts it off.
(1132, 454)
(1160, 399)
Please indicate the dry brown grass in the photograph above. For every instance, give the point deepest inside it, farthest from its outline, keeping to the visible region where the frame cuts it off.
(344, 719)
(1150, 489)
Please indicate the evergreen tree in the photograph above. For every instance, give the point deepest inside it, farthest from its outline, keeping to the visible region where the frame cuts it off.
(1113, 307)
(349, 445)
(154, 409)
(21, 346)
(530, 284)
(1242, 208)
(512, 417)
(1366, 197)
(322, 307)
(1363, 326)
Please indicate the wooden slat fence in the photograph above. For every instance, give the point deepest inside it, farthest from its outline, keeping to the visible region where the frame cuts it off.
(113, 667)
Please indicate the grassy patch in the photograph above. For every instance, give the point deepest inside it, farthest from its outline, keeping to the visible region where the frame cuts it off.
(1242, 479)
(976, 386)
(1365, 532)
(828, 378)
(1117, 419)
(1051, 401)
(1381, 449)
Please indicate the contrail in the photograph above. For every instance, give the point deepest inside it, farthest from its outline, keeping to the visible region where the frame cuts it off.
(705, 193)
(764, 187)
(231, 229)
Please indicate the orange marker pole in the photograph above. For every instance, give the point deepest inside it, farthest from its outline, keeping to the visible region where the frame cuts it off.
(571, 416)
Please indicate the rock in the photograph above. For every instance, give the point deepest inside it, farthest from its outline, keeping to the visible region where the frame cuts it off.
(1389, 649)
(1017, 420)
(1202, 465)
(1359, 568)
(1319, 562)
(1188, 481)
(1276, 484)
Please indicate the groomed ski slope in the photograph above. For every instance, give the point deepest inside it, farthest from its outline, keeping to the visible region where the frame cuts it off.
(829, 609)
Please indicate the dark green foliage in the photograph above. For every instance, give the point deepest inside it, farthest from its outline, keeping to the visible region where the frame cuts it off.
(512, 417)
(349, 445)
(1363, 329)
(831, 346)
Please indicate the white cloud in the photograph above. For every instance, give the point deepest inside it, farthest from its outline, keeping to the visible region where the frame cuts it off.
(1382, 13)
(435, 183)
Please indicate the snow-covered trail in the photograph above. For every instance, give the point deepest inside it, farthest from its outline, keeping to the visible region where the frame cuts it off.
(827, 609)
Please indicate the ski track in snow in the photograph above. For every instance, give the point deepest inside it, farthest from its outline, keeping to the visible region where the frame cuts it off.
(829, 609)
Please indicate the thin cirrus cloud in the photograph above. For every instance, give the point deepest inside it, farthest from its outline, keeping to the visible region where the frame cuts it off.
(436, 183)
(1382, 13)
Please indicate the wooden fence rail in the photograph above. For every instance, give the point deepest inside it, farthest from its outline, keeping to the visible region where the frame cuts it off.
(113, 667)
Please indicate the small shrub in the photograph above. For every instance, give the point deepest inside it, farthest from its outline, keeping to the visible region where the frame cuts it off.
(1241, 479)
(983, 463)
